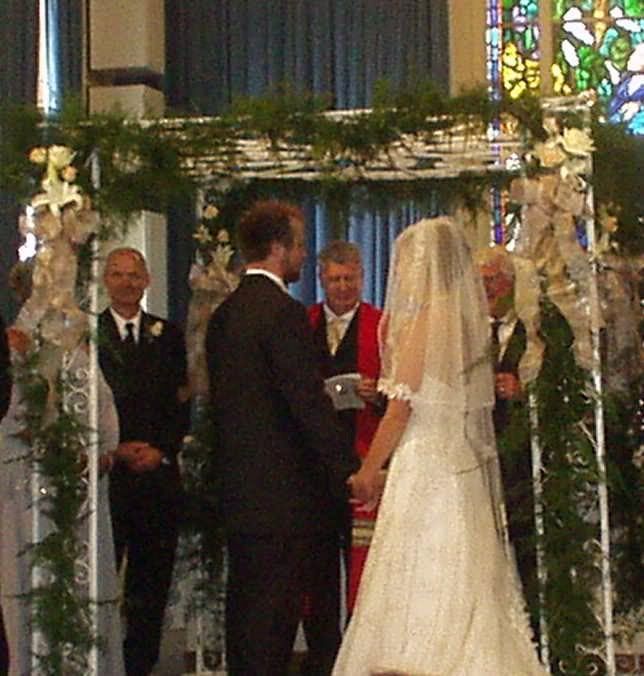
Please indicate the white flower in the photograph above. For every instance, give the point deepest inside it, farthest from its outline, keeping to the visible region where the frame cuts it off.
(57, 195)
(222, 255)
(210, 212)
(38, 155)
(202, 235)
(577, 142)
(223, 237)
(156, 329)
(60, 156)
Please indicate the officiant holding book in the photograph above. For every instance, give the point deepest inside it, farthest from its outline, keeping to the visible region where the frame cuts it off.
(346, 337)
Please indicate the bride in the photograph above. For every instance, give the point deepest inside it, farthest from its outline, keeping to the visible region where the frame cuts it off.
(439, 594)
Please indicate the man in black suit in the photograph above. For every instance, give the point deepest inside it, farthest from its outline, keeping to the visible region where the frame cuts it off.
(5, 396)
(144, 361)
(509, 343)
(282, 459)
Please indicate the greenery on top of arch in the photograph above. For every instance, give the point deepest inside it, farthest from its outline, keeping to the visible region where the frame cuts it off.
(151, 164)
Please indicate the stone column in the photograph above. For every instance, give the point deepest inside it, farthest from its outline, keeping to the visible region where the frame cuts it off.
(467, 50)
(126, 66)
(127, 56)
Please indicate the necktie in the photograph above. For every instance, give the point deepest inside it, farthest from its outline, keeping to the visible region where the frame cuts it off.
(129, 334)
(334, 334)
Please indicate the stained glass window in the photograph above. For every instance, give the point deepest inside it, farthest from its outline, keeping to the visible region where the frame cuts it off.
(513, 46)
(600, 46)
(597, 45)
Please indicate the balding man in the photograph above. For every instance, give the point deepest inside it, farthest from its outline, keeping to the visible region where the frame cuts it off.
(143, 358)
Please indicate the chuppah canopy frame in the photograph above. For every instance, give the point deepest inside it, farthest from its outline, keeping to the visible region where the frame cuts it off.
(449, 153)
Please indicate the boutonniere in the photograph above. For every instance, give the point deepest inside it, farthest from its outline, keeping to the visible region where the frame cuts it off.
(155, 330)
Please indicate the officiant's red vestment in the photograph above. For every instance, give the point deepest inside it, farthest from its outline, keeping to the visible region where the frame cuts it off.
(357, 352)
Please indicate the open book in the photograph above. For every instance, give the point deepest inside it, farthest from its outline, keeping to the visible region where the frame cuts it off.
(343, 391)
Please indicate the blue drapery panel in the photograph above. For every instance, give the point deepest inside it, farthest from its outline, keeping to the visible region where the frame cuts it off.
(18, 50)
(18, 68)
(64, 50)
(219, 49)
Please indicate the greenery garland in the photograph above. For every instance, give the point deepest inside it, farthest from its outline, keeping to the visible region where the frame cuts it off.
(147, 165)
(61, 610)
(572, 555)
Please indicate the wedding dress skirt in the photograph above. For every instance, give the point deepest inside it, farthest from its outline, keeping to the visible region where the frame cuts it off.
(439, 595)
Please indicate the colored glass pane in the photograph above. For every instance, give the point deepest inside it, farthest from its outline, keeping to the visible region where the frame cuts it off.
(513, 46)
(600, 46)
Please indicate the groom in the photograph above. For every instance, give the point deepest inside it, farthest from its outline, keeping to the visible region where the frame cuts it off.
(281, 458)
(143, 359)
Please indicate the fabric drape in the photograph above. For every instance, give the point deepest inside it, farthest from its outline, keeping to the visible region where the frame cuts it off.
(64, 49)
(219, 49)
(18, 63)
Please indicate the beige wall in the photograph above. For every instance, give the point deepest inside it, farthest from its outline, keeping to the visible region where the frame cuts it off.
(467, 51)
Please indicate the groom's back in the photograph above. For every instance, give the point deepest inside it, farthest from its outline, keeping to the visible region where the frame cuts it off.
(270, 481)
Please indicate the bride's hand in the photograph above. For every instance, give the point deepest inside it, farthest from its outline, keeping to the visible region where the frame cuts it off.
(364, 485)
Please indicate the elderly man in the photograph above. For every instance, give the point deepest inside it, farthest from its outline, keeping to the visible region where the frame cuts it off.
(508, 333)
(509, 342)
(143, 359)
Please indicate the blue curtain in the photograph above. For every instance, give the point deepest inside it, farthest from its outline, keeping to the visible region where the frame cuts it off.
(64, 50)
(18, 68)
(221, 49)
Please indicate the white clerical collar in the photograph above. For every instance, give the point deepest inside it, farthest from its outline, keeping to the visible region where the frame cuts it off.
(121, 324)
(345, 318)
(272, 276)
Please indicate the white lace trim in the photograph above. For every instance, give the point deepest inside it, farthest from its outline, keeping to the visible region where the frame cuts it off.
(395, 390)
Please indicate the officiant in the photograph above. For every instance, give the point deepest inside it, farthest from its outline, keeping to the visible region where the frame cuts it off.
(346, 339)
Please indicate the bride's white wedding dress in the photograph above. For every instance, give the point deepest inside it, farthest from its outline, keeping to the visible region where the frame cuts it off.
(439, 594)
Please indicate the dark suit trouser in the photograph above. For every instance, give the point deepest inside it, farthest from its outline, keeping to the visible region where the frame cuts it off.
(321, 621)
(4, 649)
(145, 513)
(267, 578)
(150, 560)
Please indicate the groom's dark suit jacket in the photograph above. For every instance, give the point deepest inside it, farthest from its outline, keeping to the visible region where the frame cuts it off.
(281, 457)
(144, 379)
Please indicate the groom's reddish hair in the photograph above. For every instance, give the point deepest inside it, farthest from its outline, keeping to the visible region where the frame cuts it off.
(266, 222)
